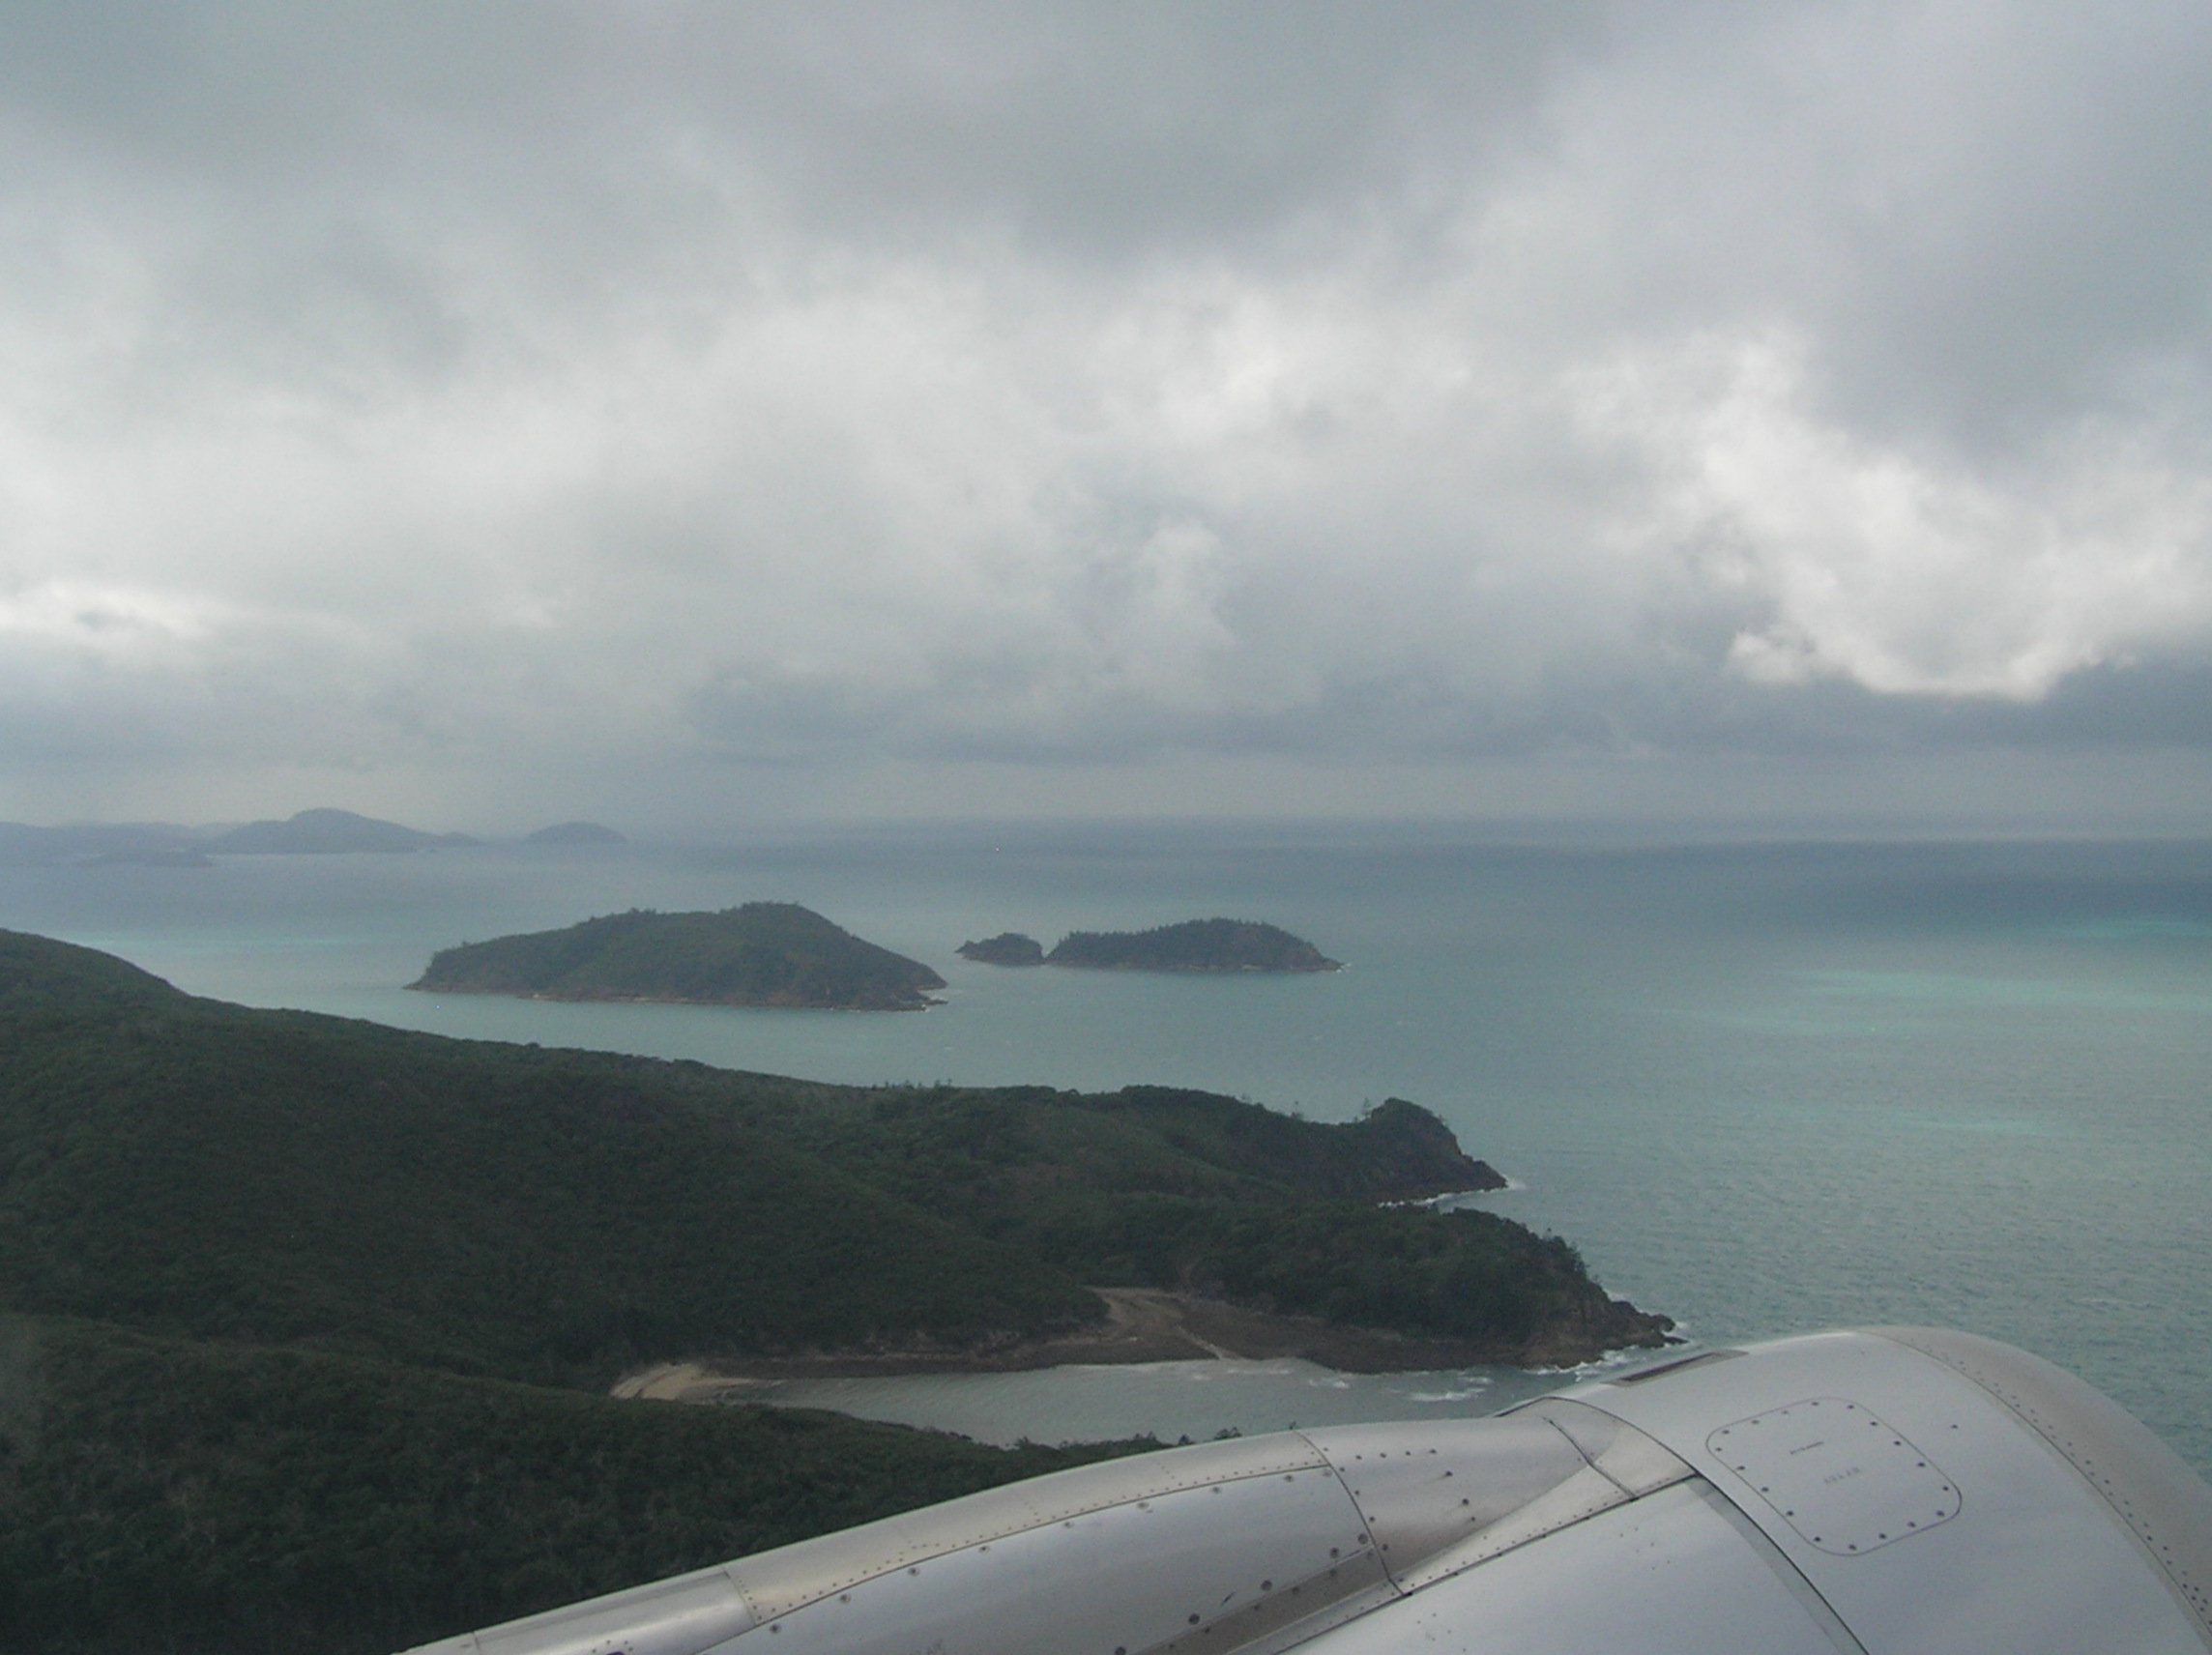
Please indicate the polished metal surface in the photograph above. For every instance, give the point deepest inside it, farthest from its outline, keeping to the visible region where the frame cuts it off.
(1877, 1494)
(2165, 1504)
(2033, 1558)
(1844, 1480)
(1667, 1572)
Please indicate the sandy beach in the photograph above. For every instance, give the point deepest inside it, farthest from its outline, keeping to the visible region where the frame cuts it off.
(1142, 1324)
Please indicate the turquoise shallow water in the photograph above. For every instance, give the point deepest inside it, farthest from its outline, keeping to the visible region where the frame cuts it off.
(1764, 1089)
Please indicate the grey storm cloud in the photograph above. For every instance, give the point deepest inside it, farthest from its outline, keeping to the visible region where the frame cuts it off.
(503, 385)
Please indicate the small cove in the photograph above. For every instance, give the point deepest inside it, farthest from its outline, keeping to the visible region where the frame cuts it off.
(1196, 1400)
(1763, 1088)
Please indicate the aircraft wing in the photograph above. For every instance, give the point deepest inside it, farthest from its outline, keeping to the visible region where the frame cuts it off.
(1878, 1492)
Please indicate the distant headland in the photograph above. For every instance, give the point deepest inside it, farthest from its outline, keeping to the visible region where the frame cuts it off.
(327, 832)
(576, 833)
(170, 845)
(762, 953)
(1193, 946)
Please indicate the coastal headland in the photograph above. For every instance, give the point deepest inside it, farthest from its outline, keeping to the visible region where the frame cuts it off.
(251, 1257)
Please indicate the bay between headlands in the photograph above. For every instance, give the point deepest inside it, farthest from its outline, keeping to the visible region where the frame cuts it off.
(1149, 1324)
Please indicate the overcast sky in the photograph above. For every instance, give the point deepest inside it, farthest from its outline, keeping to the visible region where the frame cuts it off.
(486, 413)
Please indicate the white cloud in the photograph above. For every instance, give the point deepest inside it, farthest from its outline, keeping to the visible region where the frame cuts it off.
(1910, 573)
(558, 385)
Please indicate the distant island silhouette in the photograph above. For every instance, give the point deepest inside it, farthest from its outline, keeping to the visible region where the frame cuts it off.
(325, 832)
(576, 833)
(761, 953)
(1193, 946)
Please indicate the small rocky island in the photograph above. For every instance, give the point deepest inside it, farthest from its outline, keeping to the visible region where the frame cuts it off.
(1006, 949)
(1193, 946)
(762, 953)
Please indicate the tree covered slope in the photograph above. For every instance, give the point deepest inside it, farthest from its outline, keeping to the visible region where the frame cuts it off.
(1193, 946)
(197, 1167)
(203, 1499)
(303, 1322)
(761, 953)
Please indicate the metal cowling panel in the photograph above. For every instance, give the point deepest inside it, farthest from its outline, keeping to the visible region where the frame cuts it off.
(2164, 1505)
(1424, 1488)
(677, 1616)
(1250, 1545)
(1616, 1450)
(1237, 1555)
(777, 1583)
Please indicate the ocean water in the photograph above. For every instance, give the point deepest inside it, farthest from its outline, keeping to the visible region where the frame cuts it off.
(1765, 1088)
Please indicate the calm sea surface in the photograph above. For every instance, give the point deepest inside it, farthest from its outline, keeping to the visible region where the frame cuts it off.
(1763, 1088)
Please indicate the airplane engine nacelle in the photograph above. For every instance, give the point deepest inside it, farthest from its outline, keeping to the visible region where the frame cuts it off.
(1899, 1490)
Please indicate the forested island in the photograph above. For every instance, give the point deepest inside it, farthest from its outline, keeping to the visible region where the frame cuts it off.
(1193, 946)
(306, 1324)
(1006, 949)
(761, 953)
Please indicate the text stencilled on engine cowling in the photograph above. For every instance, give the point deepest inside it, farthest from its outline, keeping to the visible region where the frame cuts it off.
(1837, 1475)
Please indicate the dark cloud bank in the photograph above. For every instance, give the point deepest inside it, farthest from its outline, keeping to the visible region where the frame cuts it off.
(1307, 408)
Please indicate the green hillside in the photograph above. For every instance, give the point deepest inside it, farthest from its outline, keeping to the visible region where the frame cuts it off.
(209, 1499)
(281, 1296)
(762, 953)
(1006, 949)
(1158, 1188)
(981, 1150)
(189, 1167)
(195, 1168)
(1193, 946)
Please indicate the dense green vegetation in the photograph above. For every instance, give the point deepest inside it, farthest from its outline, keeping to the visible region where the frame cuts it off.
(195, 1168)
(192, 1168)
(1193, 946)
(285, 1290)
(1006, 949)
(1158, 1187)
(1506, 1294)
(762, 953)
(210, 1500)
(988, 1150)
